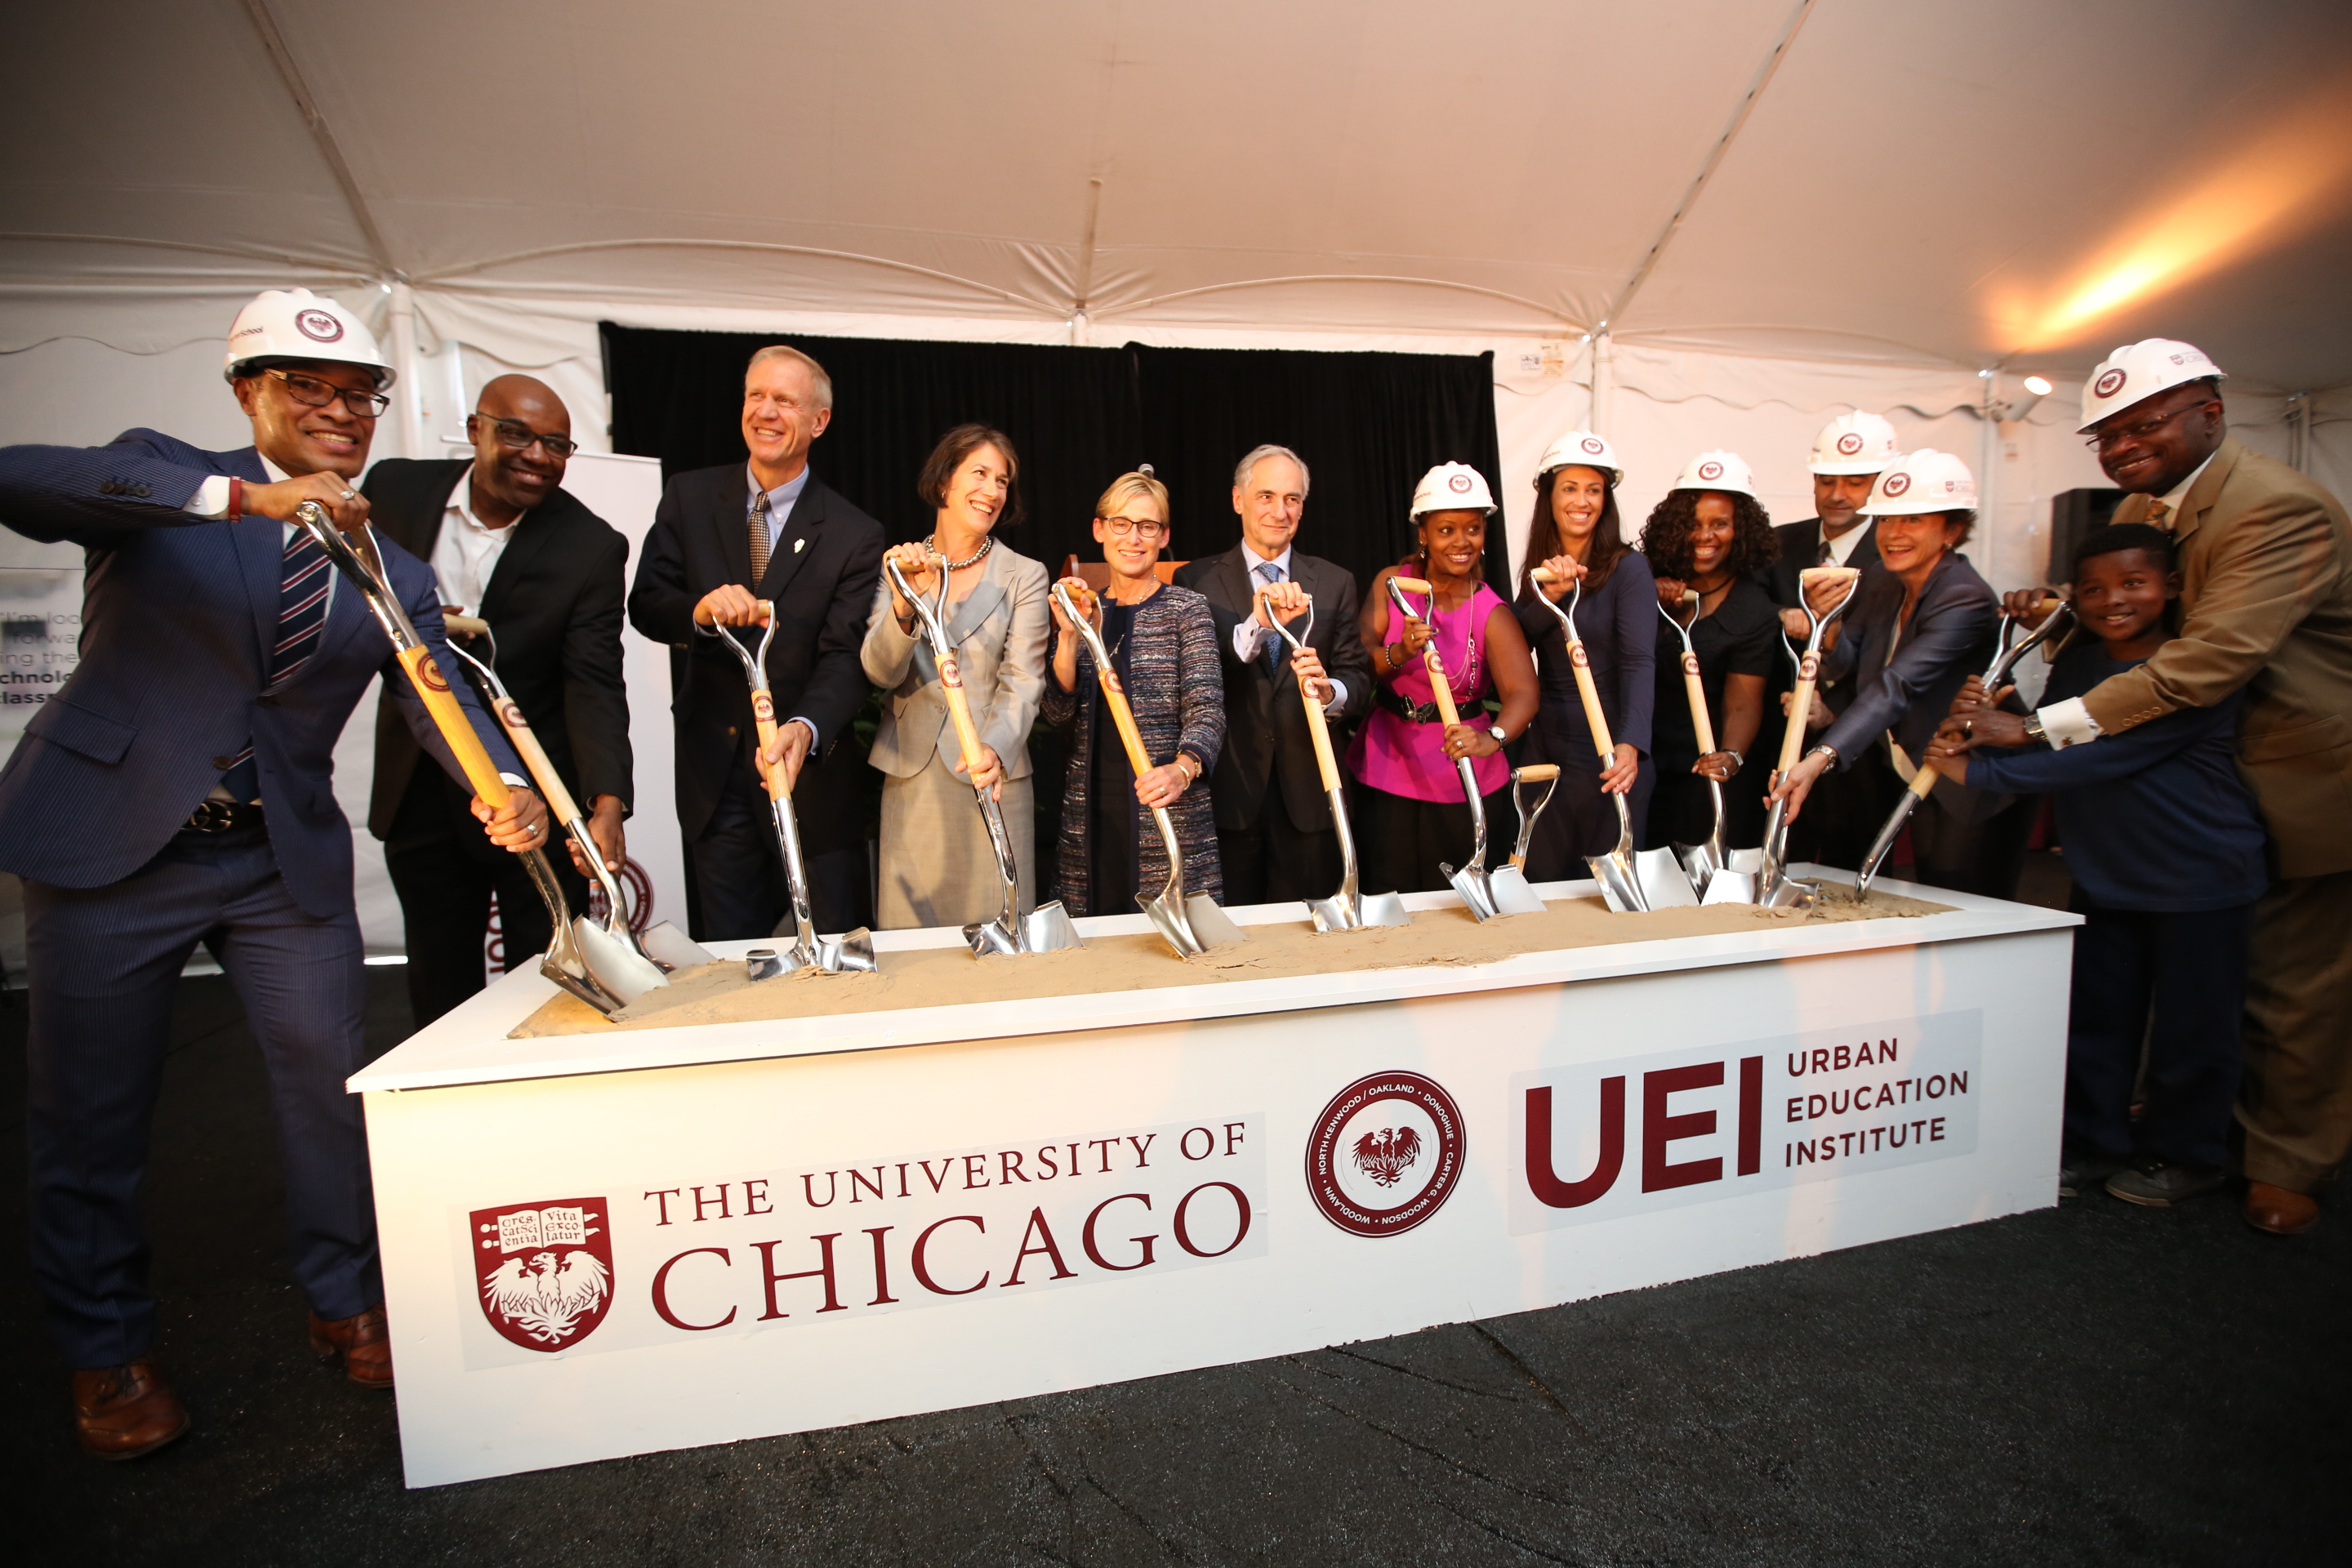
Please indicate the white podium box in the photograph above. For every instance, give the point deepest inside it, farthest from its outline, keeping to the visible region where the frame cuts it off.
(619, 1242)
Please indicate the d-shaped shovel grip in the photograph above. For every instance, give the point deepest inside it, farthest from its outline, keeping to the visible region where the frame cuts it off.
(943, 655)
(1441, 688)
(1082, 601)
(1581, 668)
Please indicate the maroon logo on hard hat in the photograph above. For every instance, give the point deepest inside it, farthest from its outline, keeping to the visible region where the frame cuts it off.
(1459, 484)
(1850, 443)
(1592, 444)
(544, 1271)
(1385, 1155)
(2105, 385)
(1710, 470)
(318, 326)
(1895, 485)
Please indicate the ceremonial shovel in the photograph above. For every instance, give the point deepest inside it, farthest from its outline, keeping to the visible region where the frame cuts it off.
(1708, 863)
(852, 952)
(606, 990)
(1774, 887)
(1631, 882)
(625, 966)
(1047, 928)
(1349, 908)
(1510, 882)
(1474, 884)
(1923, 781)
(1191, 926)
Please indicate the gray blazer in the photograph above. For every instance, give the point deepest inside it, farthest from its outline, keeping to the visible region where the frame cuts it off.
(1000, 631)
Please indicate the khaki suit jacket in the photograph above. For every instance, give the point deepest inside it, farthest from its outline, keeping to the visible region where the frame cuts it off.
(999, 630)
(2265, 559)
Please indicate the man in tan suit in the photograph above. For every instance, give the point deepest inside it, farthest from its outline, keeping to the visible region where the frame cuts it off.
(2265, 557)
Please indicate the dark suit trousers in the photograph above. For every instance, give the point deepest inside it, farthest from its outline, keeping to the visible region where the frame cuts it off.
(1275, 861)
(739, 869)
(446, 872)
(103, 963)
(2177, 982)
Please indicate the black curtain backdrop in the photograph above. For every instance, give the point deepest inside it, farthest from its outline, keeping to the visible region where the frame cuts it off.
(1368, 425)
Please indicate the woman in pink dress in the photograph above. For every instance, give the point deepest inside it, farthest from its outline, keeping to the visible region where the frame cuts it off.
(1409, 796)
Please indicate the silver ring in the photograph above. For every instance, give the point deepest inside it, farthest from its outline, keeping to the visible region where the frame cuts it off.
(534, 829)
(349, 495)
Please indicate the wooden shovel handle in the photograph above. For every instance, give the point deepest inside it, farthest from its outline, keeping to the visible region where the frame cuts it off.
(525, 741)
(1319, 732)
(457, 730)
(1801, 702)
(763, 719)
(960, 709)
(1701, 723)
(1594, 719)
(459, 625)
(1537, 773)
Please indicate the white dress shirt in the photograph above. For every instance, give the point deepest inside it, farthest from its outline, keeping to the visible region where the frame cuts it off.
(2069, 723)
(467, 550)
(1249, 636)
(1842, 547)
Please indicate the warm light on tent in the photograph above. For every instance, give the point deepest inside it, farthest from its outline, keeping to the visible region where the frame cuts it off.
(2275, 187)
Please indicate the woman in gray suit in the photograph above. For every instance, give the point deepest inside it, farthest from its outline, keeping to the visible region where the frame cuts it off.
(937, 866)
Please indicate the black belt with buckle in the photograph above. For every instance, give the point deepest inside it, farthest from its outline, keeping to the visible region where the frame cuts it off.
(214, 817)
(1412, 713)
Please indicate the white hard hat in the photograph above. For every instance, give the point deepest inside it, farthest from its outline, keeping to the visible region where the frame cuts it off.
(1582, 449)
(1452, 487)
(1924, 480)
(1717, 470)
(294, 323)
(1854, 443)
(2142, 369)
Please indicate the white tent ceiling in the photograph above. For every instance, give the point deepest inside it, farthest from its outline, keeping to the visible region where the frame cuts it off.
(1911, 181)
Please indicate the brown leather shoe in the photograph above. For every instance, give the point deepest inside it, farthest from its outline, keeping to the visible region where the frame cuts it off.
(122, 1411)
(365, 1341)
(2280, 1211)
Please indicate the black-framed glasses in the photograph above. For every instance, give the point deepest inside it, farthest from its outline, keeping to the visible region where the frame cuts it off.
(2137, 432)
(310, 391)
(1141, 527)
(517, 436)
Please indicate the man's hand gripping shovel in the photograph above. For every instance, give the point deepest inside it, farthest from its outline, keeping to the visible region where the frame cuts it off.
(627, 964)
(1922, 783)
(850, 953)
(1191, 926)
(1774, 886)
(356, 557)
(1047, 927)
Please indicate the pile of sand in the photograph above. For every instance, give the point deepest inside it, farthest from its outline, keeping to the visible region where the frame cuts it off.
(938, 977)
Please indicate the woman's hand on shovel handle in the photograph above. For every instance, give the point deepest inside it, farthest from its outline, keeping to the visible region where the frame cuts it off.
(1561, 575)
(1163, 785)
(915, 564)
(1799, 782)
(1461, 741)
(1624, 767)
(517, 825)
(990, 775)
(1720, 766)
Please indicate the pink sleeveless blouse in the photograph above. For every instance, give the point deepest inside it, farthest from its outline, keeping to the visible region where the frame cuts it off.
(1395, 754)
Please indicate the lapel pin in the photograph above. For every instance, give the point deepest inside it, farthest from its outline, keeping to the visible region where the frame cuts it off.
(799, 545)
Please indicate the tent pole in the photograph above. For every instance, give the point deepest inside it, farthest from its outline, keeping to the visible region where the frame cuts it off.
(407, 390)
(1604, 363)
(1988, 446)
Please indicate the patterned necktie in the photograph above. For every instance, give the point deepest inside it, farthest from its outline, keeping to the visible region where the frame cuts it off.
(303, 587)
(1828, 556)
(2159, 516)
(1270, 651)
(758, 524)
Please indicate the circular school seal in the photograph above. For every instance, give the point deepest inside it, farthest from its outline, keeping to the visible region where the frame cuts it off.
(1385, 1155)
(429, 674)
(1894, 485)
(1459, 484)
(318, 326)
(2108, 384)
(1592, 444)
(1710, 470)
(1850, 443)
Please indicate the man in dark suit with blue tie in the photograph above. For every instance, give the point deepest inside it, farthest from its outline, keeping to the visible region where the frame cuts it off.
(220, 657)
(723, 540)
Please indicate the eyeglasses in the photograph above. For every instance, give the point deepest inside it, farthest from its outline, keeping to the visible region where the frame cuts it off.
(2139, 432)
(316, 394)
(517, 436)
(1141, 527)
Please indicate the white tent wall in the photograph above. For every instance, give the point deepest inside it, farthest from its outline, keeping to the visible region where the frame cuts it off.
(89, 367)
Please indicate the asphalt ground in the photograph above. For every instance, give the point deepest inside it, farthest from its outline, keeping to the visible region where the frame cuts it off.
(2092, 1384)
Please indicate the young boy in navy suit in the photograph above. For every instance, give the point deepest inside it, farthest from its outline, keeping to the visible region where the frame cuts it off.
(2165, 844)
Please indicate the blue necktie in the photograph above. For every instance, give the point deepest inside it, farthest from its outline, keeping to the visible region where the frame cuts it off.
(1270, 650)
(302, 593)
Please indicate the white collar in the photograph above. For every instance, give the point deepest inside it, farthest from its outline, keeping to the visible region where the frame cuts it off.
(1252, 560)
(2170, 500)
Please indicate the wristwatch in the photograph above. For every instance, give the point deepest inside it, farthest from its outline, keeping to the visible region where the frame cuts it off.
(2034, 732)
(1824, 749)
(1739, 758)
(1496, 730)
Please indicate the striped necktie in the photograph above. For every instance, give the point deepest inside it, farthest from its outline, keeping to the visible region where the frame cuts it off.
(2160, 516)
(1269, 573)
(305, 582)
(757, 525)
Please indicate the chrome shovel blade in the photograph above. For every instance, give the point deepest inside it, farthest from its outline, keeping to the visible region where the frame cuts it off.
(1049, 929)
(1747, 862)
(1699, 863)
(1470, 884)
(1729, 887)
(1345, 912)
(618, 967)
(1620, 889)
(852, 952)
(1665, 884)
(673, 949)
(1512, 895)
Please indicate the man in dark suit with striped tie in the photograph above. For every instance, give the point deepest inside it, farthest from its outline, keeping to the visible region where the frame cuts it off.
(180, 788)
(723, 540)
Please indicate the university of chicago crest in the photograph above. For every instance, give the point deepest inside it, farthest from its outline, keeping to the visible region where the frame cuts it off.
(1385, 1155)
(544, 1269)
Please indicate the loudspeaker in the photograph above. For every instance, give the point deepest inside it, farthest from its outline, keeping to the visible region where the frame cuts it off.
(2072, 514)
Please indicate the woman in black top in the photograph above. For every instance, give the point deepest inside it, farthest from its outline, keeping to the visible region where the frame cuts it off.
(1575, 532)
(1711, 543)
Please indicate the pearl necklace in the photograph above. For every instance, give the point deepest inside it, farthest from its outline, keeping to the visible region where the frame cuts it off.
(986, 545)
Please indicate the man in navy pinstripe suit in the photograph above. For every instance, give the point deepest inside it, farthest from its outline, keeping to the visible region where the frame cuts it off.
(179, 788)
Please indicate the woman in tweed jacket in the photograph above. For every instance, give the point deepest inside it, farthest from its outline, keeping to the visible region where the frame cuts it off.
(1164, 645)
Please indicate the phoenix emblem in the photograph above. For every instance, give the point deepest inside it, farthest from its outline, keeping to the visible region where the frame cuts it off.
(1385, 1155)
